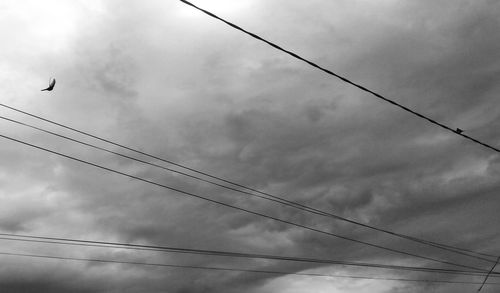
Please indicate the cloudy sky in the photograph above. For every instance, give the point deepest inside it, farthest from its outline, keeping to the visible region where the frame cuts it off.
(168, 80)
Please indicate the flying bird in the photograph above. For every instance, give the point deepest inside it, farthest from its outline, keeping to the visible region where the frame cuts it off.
(52, 83)
(459, 130)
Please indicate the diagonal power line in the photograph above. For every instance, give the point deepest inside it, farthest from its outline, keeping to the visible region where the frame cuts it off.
(261, 194)
(344, 79)
(183, 250)
(240, 208)
(178, 266)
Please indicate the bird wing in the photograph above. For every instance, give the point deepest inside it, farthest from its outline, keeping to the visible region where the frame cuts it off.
(52, 83)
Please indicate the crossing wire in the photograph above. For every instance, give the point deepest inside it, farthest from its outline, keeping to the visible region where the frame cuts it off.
(239, 208)
(487, 275)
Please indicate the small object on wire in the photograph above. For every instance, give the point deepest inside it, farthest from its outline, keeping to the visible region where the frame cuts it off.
(459, 131)
(52, 83)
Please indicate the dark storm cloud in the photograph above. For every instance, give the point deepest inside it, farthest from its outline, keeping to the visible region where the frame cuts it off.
(193, 91)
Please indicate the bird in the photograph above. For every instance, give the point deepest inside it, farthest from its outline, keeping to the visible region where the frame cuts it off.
(52, 83)
(459, 130)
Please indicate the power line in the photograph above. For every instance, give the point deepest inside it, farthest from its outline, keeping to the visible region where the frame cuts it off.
(274, 199)
(157, 248)
(344, 79)
(487, 275)
(267, 196)
(233, 269)
(239, 208)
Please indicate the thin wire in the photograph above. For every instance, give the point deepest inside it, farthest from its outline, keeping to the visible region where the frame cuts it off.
(278, 200)
(489, 273)
(239, 208)
(341, 77)
(267, 196)
(121, 245)
(233, 269)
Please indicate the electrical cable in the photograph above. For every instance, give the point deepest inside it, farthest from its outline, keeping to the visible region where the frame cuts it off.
(344, 79)
(270, 197)
(487, 275)
(157, 248)
(239, 208)
(234, 269)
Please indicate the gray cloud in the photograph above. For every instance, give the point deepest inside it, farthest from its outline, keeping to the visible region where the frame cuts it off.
(172, 82)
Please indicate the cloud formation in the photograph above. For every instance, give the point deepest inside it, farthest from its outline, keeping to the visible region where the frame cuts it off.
(172, 82)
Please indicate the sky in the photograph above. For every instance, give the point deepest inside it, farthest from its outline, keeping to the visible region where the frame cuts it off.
(168, 80)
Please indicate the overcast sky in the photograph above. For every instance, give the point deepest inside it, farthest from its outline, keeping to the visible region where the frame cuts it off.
(166, 79)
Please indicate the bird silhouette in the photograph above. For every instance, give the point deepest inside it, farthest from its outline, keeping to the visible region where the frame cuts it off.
(459, 130)
(52, 83)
